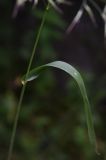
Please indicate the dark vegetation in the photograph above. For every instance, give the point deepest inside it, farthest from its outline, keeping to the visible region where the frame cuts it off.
(51, 124)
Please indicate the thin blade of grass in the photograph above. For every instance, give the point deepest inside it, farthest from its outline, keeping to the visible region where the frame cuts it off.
(33, 74)
(77, 17)
(90, 13)
(94, 4)
(55, 6)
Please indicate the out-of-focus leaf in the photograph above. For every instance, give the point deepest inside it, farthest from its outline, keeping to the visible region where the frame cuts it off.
(96, 6)
(52, 21)
(77, 77)
(55, 6)
(77, 17)
(90, 13)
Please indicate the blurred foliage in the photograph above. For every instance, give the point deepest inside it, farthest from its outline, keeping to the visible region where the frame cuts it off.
(52, 122)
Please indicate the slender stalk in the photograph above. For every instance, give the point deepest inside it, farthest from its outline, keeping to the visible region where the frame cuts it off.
(24, 85)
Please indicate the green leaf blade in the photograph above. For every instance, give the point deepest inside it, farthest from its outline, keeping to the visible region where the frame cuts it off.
(33, 74)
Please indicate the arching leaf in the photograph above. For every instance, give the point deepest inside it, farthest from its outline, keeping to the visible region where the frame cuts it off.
(33, 74)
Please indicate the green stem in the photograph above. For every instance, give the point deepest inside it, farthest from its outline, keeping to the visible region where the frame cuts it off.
(24, 86)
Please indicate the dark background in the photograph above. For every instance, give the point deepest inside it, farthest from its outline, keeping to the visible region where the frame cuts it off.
(52, 123)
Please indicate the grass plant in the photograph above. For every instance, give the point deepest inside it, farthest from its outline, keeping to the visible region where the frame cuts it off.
(33, 74)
